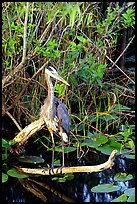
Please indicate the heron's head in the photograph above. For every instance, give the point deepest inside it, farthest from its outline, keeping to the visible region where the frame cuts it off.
(50, 71)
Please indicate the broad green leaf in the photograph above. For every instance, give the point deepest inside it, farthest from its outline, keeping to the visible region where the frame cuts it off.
(108, 117)
(122, 177)
(59, 179)
(114, 144)
(105, 188)
(57, 163)
(105, 149)
(69, 176)
(96, 141)
(4, 156)
(31, 159)
(12, 142)
(69, 149)
(131, 144)
(58, 149)
(131, 199)
(130, 192)
(5, 143)
(4, 177)
(81, 39)
(122, 198)
(15, 173)
(120, 107)
(109, 147)
(129, 156)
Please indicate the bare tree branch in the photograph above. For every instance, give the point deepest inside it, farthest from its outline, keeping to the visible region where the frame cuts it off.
(25, 34)
(97, 168)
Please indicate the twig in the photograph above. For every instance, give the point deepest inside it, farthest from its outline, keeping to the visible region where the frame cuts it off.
(13, 119)
(108, 58)
(25, 34)
(123, 51)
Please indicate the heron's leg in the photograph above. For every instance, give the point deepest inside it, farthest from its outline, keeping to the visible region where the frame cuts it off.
(63, 164)
(53, 145)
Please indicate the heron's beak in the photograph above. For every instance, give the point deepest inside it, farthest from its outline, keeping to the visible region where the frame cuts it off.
(58, 77)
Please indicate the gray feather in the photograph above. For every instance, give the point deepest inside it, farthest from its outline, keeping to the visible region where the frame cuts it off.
(62, 115)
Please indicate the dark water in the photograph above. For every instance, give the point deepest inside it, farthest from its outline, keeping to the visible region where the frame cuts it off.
(79, 188)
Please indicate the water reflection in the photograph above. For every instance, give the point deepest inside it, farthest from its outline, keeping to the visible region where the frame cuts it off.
(80, 187)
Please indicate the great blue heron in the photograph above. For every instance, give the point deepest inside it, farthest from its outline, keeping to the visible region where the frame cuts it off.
(55, 113)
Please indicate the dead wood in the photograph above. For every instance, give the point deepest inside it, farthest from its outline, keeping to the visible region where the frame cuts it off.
(64, 170)
(25, 134)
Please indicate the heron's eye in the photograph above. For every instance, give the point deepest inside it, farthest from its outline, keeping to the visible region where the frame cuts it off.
(51, 69)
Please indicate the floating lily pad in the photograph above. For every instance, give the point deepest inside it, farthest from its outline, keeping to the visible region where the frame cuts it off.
(122, 198)
(4, 177)
(15, 173)
(122, 177)
(131, 199)
(129, 156)
(31, 159)
(105, 188)
(130, 192)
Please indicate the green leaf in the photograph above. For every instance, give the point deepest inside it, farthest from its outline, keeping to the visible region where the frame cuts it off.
(4, 177)
(122, 177)
(131, 143)
(31, 159)
(109, 147)
(81, 39)
(15, 173)
(5, 143)
(69, 149)
(12, 142)
(129, 156)
(105, 188)
(130, 192)
(69, 176)
(122, 198)
(5, 156)
(120, 107)
(62, 180)
(131, 199)
(105, 149)
(96, 141)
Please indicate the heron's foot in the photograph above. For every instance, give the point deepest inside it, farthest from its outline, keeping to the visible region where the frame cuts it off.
(60, 169)
(51, 170)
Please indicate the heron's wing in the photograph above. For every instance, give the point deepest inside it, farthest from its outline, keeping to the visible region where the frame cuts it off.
(63, 116)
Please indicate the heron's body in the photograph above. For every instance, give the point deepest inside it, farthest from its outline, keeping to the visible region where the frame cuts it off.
(54, 111)
(59, 119)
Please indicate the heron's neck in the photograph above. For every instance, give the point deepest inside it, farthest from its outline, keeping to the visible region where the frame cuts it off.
(50, 91)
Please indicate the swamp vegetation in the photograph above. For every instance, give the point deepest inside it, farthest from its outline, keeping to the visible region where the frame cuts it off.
(92, 46)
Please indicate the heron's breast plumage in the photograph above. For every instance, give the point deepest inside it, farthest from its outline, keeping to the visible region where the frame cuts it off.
(57, 118)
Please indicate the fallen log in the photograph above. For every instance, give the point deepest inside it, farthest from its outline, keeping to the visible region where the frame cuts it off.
(64, 170)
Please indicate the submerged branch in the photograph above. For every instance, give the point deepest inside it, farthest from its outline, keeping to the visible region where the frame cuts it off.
(64, 170)
(34, 187)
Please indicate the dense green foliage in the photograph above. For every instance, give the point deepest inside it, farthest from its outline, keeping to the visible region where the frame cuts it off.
(80, 39)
